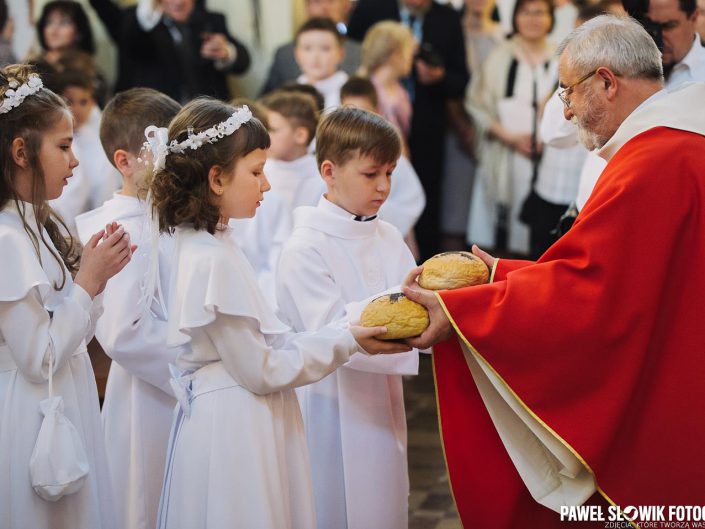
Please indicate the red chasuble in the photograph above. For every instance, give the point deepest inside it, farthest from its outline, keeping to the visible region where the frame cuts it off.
(602, 341)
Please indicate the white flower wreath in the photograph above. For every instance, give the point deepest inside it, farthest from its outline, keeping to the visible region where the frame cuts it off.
(157, 137)
(19, 92)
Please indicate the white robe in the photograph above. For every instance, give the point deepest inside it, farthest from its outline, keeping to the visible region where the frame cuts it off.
(35, 320)
(139, 402)
(406, 199)
(355, 420)
(261, 239)
(297, 181)
(328, 87)
(237, 454)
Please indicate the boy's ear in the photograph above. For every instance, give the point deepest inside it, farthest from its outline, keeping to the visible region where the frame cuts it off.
(301, 136)
(215, 180)
(328, 172)
(19, 153)
(121, 159)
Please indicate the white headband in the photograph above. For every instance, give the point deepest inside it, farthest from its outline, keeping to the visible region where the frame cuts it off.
(19, 92)
(157, 137)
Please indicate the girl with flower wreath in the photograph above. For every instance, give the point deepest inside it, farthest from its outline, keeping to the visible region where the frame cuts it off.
(50, 299)
(237, 454)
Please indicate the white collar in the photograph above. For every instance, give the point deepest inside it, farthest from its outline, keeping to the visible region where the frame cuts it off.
(330, 207)
(694, 60)
(334, 220)
(679, 109)
(329, 83)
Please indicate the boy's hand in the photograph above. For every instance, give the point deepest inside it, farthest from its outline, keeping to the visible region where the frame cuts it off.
(366, 338)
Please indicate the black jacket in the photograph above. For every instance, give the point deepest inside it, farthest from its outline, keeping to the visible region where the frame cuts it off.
(151, 58)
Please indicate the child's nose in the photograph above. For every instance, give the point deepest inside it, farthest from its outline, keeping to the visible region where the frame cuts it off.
(264, 183)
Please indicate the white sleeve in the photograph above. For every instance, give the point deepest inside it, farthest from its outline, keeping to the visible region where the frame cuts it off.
(281, 361)
(132, 339)
(308, 298)
(555, 130)
(406, 199)
(31, 332)
(147, 15)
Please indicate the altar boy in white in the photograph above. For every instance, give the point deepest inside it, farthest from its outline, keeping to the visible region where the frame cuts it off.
(237, 455)
(338, 253)
(291, 169)
(139, 401)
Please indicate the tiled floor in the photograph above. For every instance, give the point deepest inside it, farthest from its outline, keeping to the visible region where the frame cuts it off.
(430, 504)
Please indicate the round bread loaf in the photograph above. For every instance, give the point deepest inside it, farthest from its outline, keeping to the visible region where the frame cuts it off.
(450, 270)
(402, 317)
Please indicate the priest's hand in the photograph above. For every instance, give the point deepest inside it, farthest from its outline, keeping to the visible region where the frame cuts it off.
(366, 338)
(484, 256)
(439, 328)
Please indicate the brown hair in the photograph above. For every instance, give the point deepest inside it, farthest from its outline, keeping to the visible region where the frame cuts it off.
(319, 24)
(38, 113)
(348, 131)
(181, 192)
(359, 87)
(258, 109)
(301, 88)
(127, 115)
(299, 109)
(382, 41)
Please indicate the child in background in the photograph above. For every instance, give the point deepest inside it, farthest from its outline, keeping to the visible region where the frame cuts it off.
(406, 199)
(319, 51)
(261, 238)
(387, 58)
(96, 179)
(139, 401)
(290, 169)
(339, 253)
(237, 455)
(46, 316)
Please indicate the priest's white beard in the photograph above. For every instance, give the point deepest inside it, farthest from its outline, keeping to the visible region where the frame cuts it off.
(589, 124)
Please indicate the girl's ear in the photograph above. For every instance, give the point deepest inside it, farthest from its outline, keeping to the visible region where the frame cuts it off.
(19, 153)
(215, 180)
(328, 172)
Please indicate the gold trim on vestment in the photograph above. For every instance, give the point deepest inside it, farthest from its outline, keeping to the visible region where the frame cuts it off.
(519, 400)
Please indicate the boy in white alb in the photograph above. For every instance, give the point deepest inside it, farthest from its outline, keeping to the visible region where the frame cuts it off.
(340, 253)
(95, 179)
(262, 237)
(292, 171)
(318, 50)
(139, 401)
(407, 198)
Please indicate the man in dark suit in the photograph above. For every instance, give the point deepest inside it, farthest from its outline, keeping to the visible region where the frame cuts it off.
(284, 67)
(440, 75)
(174, 46)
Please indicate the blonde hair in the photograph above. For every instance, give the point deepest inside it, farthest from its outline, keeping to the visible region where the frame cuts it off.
(382, 41)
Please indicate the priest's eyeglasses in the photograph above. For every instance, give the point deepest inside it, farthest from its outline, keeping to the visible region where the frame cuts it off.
(564, 93)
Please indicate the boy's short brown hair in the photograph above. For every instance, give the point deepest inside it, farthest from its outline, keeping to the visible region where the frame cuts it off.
(302, 88)
(127, 115)
(319, 24)
(359, 87)
(348, 131)
(299, 109)
(258, 110)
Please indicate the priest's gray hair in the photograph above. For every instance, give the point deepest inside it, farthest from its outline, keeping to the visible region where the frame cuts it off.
(619, 43)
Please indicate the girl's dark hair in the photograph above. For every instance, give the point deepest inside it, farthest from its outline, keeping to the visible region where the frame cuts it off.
(181, 192)
(73, 10)
(38, 113)
(520, 4)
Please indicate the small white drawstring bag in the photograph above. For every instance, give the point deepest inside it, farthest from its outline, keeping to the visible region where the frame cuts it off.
(59, 464)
